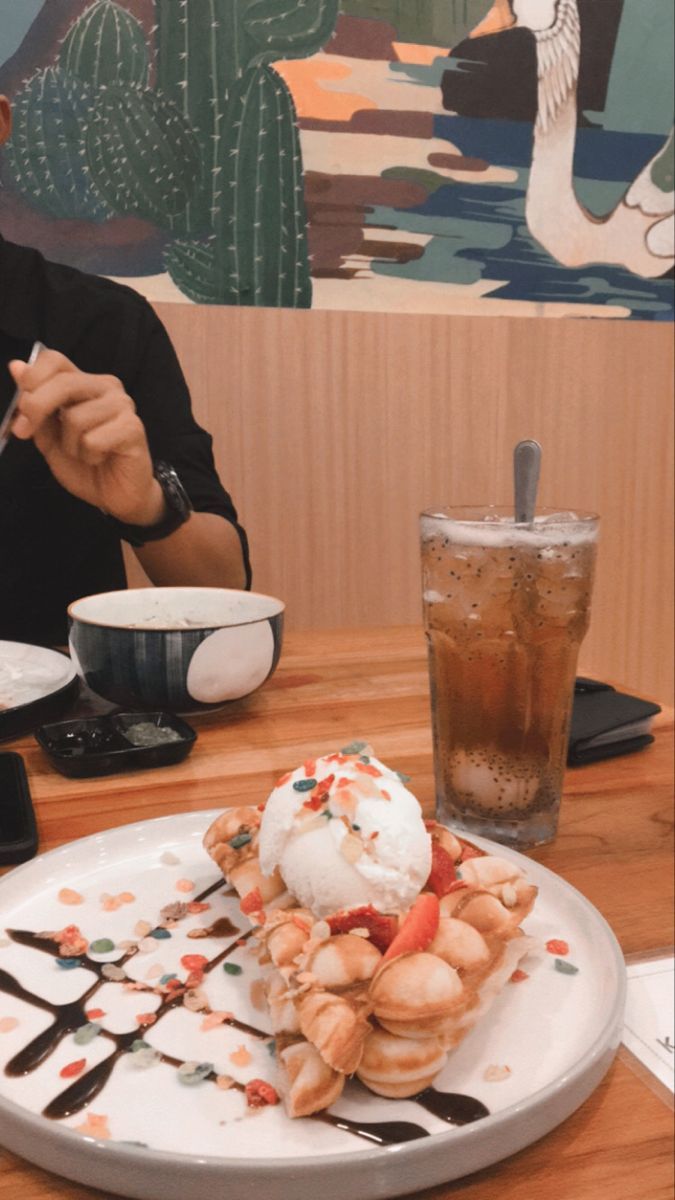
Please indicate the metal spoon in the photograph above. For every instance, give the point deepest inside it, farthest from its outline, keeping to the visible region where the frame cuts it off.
(10, 412)
(526, 467)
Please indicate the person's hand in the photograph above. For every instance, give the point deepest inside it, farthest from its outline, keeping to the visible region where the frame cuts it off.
(87, 429)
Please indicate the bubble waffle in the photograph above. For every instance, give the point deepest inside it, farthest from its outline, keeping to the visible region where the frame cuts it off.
(384, 997)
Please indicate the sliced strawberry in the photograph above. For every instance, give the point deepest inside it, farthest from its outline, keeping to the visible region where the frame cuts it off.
(442, 873)
(469, 851)
(419, 927)
(381, 929)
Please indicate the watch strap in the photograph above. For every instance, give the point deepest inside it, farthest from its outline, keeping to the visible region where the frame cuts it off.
(178, 509)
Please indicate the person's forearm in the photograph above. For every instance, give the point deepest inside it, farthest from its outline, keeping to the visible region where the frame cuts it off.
(204, 552)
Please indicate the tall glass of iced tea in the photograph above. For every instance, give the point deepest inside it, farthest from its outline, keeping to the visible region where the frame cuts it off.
(506, 608)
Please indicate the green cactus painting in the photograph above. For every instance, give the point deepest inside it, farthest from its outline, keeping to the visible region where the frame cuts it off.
(106, 45)
(46, 156)
(210, 153)
(359, 155)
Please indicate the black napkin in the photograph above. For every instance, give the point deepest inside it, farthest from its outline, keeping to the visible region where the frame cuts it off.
(606, 723)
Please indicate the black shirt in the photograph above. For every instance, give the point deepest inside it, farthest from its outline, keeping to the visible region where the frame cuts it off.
(54, 547)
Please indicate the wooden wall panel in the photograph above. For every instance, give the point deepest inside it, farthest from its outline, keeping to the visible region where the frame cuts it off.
(333, 430)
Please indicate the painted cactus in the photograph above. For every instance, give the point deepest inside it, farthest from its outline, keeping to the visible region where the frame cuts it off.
(106, 45)
(258, 255)
(143, 155)
(212, 154)
(206, 69)
(46, 156)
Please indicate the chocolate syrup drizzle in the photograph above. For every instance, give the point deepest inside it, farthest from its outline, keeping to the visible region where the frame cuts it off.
(454, 1108)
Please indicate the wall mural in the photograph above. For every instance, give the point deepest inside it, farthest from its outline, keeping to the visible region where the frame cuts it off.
(398, 155)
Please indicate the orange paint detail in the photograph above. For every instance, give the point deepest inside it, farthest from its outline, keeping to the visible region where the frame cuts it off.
(419, 56)
(306, 77)
(499, 17)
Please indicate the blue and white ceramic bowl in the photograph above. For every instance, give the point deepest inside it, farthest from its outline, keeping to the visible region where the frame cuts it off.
(180, 649)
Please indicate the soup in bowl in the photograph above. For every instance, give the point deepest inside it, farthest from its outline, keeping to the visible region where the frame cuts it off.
(181, 649)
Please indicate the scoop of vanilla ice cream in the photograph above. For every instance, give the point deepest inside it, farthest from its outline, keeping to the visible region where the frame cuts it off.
(344, 831)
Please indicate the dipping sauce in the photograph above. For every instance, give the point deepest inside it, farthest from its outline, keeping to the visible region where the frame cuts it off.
(146, 733)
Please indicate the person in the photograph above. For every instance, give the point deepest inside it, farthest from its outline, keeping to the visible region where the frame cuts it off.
(104, 447)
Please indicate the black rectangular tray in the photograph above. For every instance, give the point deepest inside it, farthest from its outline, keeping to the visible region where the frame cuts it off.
(105, 745)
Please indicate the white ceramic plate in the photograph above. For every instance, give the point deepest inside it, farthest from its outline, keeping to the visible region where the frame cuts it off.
(556, 1032)
(33, 679)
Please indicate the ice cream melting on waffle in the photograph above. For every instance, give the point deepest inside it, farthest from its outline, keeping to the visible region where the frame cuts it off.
(384, 938)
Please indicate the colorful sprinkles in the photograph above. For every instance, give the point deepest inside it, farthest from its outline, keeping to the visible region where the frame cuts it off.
(557, 946)
(102, 946)
(86, 1034)
(304, 785)
(564, 967)
(73, 1069)
(192, 1073)
(519, 975)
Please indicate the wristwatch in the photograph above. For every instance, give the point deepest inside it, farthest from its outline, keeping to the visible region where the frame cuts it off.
(178, 505)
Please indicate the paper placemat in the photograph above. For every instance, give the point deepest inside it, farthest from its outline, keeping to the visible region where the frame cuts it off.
(649, 1029)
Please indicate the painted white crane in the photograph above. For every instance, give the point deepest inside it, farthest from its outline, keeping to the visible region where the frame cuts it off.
(639, 233)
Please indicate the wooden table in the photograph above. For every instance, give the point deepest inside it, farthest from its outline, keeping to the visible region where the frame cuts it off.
(614, 845)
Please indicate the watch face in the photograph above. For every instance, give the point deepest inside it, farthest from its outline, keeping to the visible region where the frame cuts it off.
(176, 497)
(178, 509)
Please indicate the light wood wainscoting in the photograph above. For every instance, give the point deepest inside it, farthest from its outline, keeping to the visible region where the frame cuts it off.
(333, 430)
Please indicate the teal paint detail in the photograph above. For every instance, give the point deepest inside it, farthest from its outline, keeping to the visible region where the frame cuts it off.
(640, 90)
(45, 154)
(599, 196)
(429, 180)
(663, 167)
(441, 262)
(460, 232)
(15, 21)
(106, 45)
(428, 74)
(427, 22)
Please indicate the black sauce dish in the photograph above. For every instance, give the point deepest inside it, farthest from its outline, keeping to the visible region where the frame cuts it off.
(116, 742)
